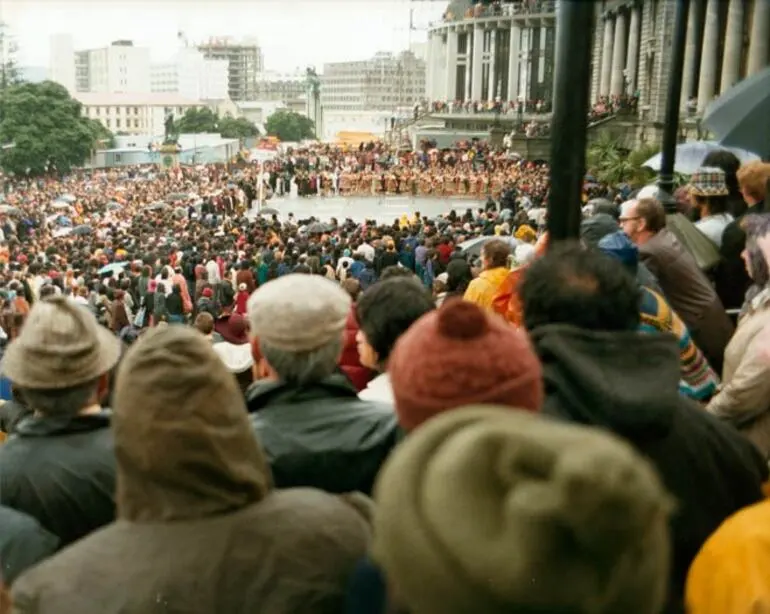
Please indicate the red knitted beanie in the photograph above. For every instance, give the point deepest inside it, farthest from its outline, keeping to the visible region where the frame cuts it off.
(461, 355)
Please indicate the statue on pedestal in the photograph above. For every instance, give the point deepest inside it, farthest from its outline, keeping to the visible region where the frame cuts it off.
(169, 136)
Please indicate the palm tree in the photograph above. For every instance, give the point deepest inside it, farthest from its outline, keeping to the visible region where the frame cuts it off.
(612, 164)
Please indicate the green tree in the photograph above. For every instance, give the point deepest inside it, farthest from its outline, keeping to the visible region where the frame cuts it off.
(47, 128)
(102, 137)
(196, 121)
(236, 128)
(290, 126)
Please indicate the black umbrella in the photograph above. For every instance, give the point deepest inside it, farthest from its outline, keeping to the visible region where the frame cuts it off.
(82, 230)
(316, 228)
(739, 117)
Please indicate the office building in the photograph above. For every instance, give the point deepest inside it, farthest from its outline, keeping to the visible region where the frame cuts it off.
(245, 63)
(119, 68)
(134, 114)
(191, 75)
(386, 82)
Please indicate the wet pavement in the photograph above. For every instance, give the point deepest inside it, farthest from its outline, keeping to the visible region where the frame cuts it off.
(383, 209)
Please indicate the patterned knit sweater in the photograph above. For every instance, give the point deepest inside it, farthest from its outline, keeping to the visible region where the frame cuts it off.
(698, 381)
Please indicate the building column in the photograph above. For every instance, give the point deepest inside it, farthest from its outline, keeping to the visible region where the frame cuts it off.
(478, 50)
(513, 63)
(492, 85)
(731, 61)
(618, 55)
(609, 32)
(690, 55)
(709, 55)
(632, 61)
(759, 41)
(451, 65)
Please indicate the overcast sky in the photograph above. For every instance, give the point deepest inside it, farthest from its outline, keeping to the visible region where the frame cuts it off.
(292, 33)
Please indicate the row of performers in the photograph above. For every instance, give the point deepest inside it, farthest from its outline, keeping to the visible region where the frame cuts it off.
(472, 185)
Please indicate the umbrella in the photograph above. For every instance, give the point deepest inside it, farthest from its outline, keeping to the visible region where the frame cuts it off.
(740, 116)
(268, 211)
(176, 196)
(113, 206)
(60, 204)
(68, 198)
(472, 247)
(179, 213)
(82, 230)
(317, 228)
(113, 267)
(157, 206)
(7, 209)
(690, 155)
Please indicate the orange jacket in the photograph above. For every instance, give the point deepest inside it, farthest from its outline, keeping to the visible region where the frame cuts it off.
(507, 301)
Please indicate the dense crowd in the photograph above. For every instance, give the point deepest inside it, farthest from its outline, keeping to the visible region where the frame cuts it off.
(209, 411)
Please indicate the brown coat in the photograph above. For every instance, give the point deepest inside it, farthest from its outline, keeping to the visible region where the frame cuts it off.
(199, 530)
(689, 293)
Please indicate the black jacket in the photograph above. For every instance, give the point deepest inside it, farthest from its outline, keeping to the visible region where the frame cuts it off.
(61, 471)
(628, 383)
(322, 435)
(23, 543)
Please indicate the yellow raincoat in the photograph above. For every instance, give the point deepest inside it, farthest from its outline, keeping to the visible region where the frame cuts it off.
(483, 289)
(731, 574)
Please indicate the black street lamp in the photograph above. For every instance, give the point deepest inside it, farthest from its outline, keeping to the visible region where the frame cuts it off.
(574, 24)
(671, 128)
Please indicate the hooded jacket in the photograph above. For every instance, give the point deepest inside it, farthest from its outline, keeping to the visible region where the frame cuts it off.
(626, 382)
(198, 529)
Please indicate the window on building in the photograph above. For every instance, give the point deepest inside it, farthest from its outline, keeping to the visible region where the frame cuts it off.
(107, 123)
(117, 123)
(136, 110)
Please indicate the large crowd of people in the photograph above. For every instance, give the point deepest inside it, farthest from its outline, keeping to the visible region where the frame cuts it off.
(208, 410)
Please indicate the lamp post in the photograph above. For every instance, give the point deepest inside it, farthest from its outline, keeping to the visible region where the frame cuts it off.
(671, 128)
(574, 24)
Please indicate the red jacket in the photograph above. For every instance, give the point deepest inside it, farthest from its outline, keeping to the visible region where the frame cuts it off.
(349, 362)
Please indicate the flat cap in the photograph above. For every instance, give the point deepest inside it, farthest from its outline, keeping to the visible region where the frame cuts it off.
(298, 313)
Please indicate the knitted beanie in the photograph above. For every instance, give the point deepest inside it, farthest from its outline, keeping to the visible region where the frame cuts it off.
(492, 510)
(458, 355)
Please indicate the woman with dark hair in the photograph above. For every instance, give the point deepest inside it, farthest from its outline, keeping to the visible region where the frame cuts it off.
(175, 305)
(459, 275)
(729, 163)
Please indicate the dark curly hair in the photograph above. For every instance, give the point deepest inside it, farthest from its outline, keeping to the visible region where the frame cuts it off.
(580, 287)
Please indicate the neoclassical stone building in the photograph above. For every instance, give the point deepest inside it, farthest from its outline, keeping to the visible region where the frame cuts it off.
(507, 50)
(727, 40)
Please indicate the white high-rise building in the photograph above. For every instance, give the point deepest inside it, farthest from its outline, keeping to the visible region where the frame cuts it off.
(191, 75)
(62, 61)
(118, 68)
